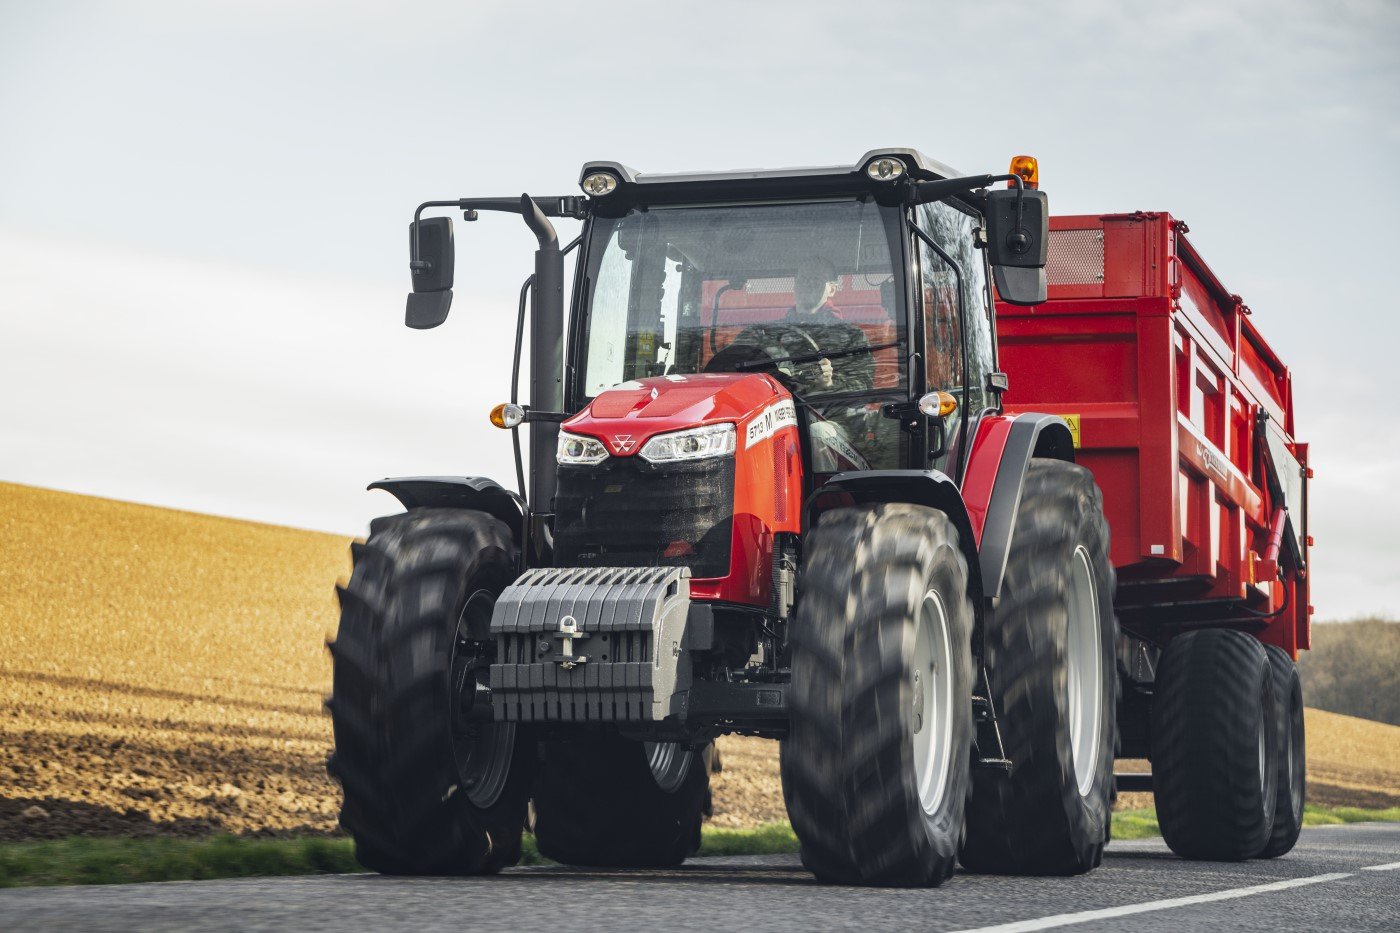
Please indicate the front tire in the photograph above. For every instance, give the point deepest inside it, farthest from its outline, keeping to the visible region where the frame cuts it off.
(427, 790)
(609, 802)
(1215, 746)
(1050, 656)
(875, 766)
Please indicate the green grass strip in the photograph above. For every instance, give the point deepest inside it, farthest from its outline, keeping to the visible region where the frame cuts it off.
(103, 860)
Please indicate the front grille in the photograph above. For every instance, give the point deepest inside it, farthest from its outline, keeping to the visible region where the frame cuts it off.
(625, 512)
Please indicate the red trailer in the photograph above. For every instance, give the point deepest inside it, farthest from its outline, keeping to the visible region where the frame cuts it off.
(1185, 417)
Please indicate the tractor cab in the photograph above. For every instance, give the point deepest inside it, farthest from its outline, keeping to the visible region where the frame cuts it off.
(838, 283)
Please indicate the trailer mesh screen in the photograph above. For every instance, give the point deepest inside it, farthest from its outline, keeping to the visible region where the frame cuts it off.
(624, 512)
(1075, 257)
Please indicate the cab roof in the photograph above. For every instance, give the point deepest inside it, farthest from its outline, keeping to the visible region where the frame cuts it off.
(649, 187)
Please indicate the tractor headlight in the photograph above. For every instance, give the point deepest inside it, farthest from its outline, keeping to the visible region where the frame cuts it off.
(579, 450)
(713, 440)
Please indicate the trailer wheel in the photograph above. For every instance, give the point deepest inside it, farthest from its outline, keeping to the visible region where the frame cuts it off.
(875, 766)
(427, 790)
(608, 801)
(1292, 758)
(1050, 651)
(1215, 745)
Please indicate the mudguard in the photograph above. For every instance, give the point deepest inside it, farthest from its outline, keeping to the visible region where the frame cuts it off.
(458, 492)
(984, 509)
(916, 487)
(995, 477)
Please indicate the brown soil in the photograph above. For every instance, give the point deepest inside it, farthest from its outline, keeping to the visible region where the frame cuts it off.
(162, 672)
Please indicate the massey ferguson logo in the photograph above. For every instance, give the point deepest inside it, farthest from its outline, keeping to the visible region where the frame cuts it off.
(622, 443)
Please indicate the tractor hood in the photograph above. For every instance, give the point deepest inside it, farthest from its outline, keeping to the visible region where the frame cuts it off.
(627, 415)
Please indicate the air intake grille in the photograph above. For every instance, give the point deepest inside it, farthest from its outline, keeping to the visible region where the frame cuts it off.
(1075, 257)
(624, 512)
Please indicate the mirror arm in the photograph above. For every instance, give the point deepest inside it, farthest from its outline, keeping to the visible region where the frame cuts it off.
(536, 216)
(924, 192)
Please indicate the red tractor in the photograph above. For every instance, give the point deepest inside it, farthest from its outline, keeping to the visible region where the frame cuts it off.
(774, 490)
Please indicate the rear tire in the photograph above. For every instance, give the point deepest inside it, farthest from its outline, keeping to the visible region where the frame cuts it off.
(1292, 759)
(1050, 650)
(875, 766)
(607, 801)
(426, 790)
(1214, 746)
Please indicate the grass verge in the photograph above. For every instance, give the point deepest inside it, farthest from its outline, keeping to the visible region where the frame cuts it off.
(99, 860)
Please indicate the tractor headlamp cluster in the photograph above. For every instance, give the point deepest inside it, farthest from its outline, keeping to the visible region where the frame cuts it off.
(713, 440)
(580, 450)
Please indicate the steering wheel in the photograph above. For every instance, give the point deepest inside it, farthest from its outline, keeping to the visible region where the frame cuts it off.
(760, 342)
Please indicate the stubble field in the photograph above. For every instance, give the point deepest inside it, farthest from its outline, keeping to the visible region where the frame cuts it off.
(162, 672)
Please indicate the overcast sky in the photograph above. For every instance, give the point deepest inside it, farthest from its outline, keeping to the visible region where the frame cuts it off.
(203, 208)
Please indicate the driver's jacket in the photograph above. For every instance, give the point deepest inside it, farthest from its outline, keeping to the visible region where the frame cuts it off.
(831, 334)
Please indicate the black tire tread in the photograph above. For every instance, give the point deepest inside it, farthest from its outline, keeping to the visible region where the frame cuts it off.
(1033, 821)
(1288, 809)
(393, 754)
(597, 805)
(1206, 704)
(848, 787)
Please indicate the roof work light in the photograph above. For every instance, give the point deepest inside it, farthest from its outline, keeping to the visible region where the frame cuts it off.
(885, 168)
(1028, 168)
(598, 184)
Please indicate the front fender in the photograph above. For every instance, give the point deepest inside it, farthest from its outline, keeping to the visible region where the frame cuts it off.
(996, 474)
(459, 492)
(916, 487)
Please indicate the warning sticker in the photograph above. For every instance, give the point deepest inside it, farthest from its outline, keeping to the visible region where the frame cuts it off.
(766, 423)
(1073, 422)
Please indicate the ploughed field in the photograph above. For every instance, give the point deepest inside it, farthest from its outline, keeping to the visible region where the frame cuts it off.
(163, 672)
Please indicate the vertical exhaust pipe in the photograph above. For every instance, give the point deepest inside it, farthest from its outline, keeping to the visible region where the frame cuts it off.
(546, 354)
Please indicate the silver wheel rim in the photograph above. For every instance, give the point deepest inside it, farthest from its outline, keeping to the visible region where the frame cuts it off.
(931, 706)
(669, 764)
(1085, 671)
(480, 750)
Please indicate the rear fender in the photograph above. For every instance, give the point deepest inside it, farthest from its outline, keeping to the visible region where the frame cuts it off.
(916, 487)
(461, 492)
(996, 475)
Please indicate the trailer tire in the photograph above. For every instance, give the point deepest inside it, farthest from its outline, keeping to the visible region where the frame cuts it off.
(607, 801)
(426, 790)
(1050, 647)
(1292, 758)
(1214, 745)
(875, 766)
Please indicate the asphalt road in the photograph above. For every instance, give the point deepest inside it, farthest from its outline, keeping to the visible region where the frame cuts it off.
(1338, 878)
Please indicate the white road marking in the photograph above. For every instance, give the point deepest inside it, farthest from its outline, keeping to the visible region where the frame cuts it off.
(1061, 920)
(1391, 867)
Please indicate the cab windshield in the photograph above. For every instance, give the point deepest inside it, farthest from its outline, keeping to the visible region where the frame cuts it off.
(726, 288)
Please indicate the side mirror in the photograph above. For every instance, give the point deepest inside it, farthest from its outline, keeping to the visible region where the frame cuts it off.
(431, 263)
(1017, 244)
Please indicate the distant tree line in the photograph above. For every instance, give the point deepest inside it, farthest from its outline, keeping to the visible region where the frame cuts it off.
(1354, 668)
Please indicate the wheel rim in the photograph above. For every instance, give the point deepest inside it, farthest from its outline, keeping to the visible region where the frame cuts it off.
(669, 764)
(1085, 671)
(481, 750)
(931, 709)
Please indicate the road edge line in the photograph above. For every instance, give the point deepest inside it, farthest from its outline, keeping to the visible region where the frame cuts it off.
(1086, 916)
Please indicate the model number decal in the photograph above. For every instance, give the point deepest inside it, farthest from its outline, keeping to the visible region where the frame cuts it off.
(772, 419)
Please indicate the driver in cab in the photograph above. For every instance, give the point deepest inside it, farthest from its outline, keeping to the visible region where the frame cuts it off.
(816, 283)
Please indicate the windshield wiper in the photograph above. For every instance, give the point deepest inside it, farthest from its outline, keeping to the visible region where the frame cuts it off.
(813, 357)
